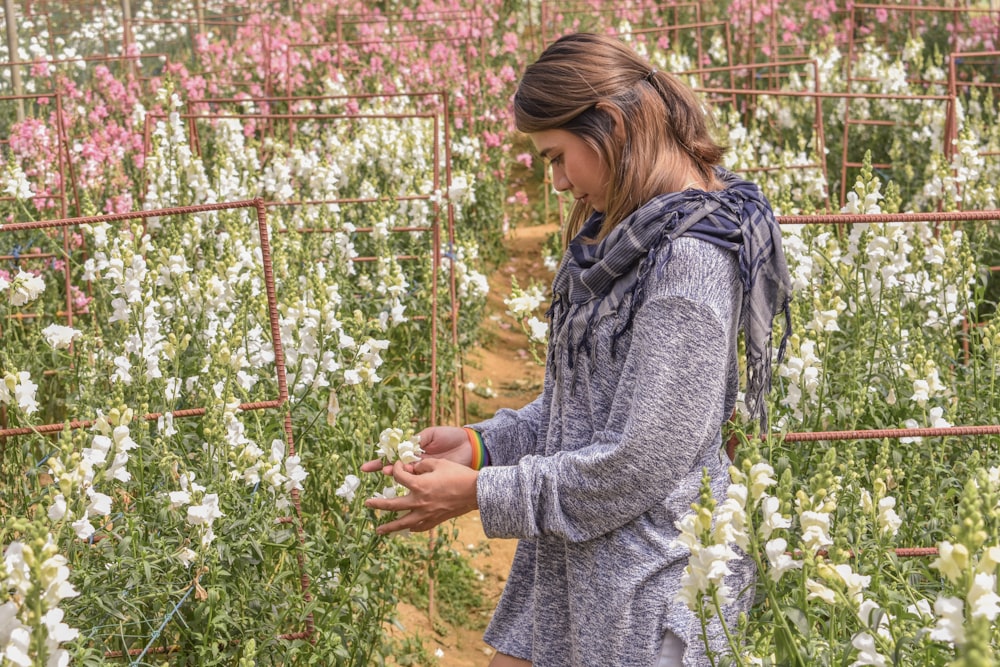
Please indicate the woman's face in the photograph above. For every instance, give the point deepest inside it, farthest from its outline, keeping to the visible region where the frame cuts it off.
(575, 166)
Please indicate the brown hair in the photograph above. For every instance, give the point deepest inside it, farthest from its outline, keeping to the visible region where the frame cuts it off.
(646, 126)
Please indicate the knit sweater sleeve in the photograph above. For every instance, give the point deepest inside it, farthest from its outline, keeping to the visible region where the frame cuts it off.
(511, 434)
(667, 409)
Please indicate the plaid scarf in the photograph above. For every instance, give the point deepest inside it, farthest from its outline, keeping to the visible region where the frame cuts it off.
(594, 279)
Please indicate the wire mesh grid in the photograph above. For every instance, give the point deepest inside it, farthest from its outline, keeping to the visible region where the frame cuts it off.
(278, 402)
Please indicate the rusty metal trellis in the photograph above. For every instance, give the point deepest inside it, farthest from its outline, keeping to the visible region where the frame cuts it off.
(276, 403)
(434, 229)
(553, 12)
(819, 134)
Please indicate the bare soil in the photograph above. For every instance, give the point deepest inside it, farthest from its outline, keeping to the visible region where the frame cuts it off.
(502, 361)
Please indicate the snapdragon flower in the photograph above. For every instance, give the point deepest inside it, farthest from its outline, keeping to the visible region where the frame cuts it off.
(779, 559)
(952, 560)
(40, 578)
(60, 337)
(867, 651)
(396, 445)
(950, 620)
(25, 288)
(348, 489)
(17, 388)
(983, 599)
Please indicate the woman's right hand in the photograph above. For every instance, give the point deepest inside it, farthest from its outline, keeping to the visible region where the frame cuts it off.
(438, 442)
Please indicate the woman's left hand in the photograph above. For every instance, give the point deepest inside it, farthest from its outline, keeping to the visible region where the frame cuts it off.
(439, 490)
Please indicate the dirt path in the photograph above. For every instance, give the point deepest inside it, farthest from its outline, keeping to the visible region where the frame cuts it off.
(516, 379)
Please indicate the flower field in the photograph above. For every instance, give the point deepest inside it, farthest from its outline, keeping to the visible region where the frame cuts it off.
(244, 247)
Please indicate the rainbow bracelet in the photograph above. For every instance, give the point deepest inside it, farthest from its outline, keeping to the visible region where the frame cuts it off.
(480, 456)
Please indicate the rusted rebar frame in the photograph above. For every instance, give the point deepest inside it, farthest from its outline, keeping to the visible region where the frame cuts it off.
(911, 11)
(479, 43)
(819, 95)
(65, 163)
(885, 433)
(434, 229)
(279, 358)
(569, 8)
(818, 125)
(845, 164)
(263, 28)
(62, 139)
(773, 78)
(699, 27)
(130, 60)
(458, 382)
(954, 84)
(882, 218)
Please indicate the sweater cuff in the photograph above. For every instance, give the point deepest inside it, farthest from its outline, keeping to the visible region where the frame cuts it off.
(501, 505)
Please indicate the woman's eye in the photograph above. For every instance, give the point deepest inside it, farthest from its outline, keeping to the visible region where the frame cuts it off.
(556, 160)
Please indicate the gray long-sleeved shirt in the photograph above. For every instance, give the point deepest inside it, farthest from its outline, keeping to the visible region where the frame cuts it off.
(592, 480)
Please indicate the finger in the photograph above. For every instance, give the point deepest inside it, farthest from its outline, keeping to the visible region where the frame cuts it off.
(404, 473)
(372, 466)
(398, 504)
(424, 466)
(407, 522)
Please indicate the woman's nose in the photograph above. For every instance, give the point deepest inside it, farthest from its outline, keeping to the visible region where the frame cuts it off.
(559, 180)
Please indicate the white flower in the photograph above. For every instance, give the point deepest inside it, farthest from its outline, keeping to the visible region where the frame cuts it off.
(773, 519)
(25, 288)
(17, 185)
(922, 609)
(15, 638)
(538, 330)
(54, 579)
(730, 519)
(707, 567)
(60, 337)
(888, 521)
(761, 477)
(186, 556)
(57, 510)
(951, 620)
(178, 498)
(165, 424)
(100, 504)
(780, 561)
(349, 488)
(523, 303)
(205, 513)
(82, 528)
(983, 599)
(952, 560)
(856, 583)
(821, 592)
(815, 529)
(989, 559)
(874, 617)
(58, 631)
(867, 653)
(295, 474)
(393, 446)
(18, 387)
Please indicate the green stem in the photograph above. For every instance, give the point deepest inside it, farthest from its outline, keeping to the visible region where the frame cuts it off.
(703, 619)
(725, 628)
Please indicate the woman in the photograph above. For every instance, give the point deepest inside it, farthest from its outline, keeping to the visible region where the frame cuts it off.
(668, 258)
